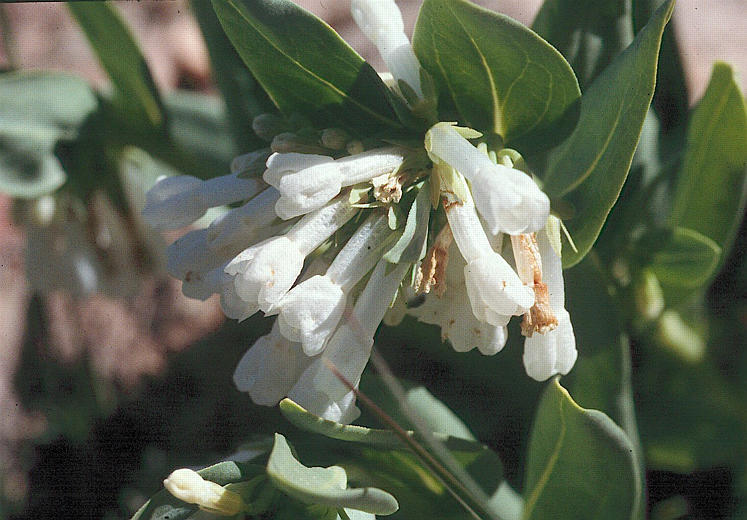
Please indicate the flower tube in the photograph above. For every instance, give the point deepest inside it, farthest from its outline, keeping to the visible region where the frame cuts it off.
(553, 352)
(381, 22)
(311, 311)
(270, 368)
(307, 182)
(508, 199)
(495, 290)
(244, 225)
(265, 272)
(451, 311)
(175, 202)
(350, 347)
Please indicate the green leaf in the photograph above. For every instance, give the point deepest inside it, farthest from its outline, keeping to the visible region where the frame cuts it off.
(244, 98)
(588, 33)
(670, 98)
(688, 259)
(36, 110)
(379, 438)
(480, 461)
(580, 464)
(136, 95)
(165, 506)
(436, 414)
(410, 247)
(502, 77)
(710, 192)
(304, 66)
(590, 168)
(198, 124)
(324, 486)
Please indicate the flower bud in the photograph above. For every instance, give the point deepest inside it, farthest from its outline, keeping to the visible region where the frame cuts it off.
(335, 138)
(190, 487)
(267, 126)
(288, 142)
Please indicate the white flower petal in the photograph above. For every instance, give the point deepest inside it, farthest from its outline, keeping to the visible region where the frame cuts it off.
(381, 22)
(508, 199)
(310, 313)
(270, 368)
(268, 272)
(306, 394)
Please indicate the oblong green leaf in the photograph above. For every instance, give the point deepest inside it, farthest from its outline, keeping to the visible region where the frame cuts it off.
(244, 98)
(136, 95)
(480, 461)
(580, 464)
(304, 66)
(687, 260)
(36, 110)
(590, 168)
(410, 247)
(588, 33)
(710, 191)
(325, 486)
(502, 77)
(301, 418)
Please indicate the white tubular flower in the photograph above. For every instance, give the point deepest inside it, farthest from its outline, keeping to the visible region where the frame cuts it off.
(381, 22)
(201, 285)
(307, 182)
(175, 202)
(270, 368)
(453, 314)
(350, 347)
(508, 199)
(265, 272)
(495, 290)
(190, 253)
(189, 486)
(553, 352)
(305, 393)
(243, 225)
(311, 311)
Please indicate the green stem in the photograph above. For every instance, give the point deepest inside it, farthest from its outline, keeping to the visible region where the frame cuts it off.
(628, 422)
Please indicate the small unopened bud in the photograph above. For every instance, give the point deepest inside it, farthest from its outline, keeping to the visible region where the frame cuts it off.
(355, 147)
(649, 298)
(44, 209)
(190, 487)
(289, 142)
(267, 126)
(335, 138)
(676, 334)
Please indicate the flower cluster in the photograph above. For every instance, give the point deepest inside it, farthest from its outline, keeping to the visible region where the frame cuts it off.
(311, 241)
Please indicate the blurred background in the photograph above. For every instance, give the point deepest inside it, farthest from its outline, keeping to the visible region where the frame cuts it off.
(103, 393)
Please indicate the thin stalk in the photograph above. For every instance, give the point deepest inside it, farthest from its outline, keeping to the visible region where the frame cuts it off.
(446, 478)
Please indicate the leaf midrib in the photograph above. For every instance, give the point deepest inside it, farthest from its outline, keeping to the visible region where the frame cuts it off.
(549, 468)
(310, 73)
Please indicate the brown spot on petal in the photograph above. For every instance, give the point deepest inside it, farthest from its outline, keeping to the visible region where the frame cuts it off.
(540, 317)
(432, 272)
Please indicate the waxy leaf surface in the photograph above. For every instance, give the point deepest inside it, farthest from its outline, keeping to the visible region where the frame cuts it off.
(710, 191)
(580, 464)
(324, 486)
(136, 95)
(304, 66)
(502, 77)
(590, 167)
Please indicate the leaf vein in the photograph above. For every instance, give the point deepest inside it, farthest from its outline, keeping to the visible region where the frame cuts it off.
(310, 73)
